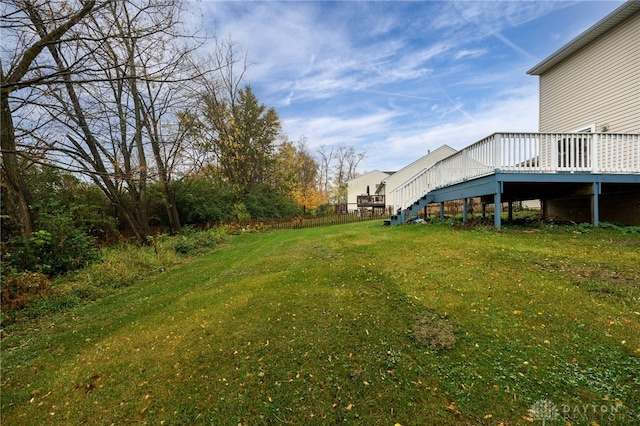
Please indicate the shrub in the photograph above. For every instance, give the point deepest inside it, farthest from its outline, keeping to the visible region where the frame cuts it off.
(57, 247)
(192, 240)
(19, 288)
(201, 201)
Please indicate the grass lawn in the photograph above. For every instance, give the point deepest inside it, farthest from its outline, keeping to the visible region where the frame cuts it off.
(416, 325)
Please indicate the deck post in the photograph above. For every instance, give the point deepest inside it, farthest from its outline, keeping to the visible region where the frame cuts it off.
(497, 202)
(595, 205)
(510, 211)
(441, 210)
(465, 206)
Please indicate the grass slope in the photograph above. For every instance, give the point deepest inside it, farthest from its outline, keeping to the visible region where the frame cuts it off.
(410, 325)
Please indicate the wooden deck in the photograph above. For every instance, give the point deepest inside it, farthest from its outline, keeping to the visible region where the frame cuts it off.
(524, 166)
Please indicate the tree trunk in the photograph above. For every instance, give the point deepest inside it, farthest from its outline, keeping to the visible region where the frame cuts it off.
(16, 186)
(172, 209)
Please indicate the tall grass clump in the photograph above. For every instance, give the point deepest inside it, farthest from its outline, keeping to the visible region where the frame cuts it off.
(115, 268)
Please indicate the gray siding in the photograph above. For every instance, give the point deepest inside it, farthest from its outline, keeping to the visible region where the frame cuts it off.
(599, 84)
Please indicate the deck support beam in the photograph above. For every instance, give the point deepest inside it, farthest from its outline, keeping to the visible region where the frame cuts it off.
(497, 202)
(595, 204)
(465, 208)
(442, 210)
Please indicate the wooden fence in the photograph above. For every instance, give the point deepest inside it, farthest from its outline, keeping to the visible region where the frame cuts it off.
(282, 223)
(309, 221)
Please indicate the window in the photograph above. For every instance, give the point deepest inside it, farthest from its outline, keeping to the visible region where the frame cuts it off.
(591, 128)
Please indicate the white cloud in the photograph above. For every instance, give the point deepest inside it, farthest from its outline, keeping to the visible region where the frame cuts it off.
(333, 130)
(470, 53)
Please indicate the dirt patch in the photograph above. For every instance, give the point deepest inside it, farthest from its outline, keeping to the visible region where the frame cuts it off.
(434, 330)
(602, 278)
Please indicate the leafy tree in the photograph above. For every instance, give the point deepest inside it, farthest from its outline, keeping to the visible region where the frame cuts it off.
(240, 134)
(297, 173)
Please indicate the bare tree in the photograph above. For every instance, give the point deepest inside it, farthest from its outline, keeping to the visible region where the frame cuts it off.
(24, 71)
(120, 122)
(347, 160)
(325, 160)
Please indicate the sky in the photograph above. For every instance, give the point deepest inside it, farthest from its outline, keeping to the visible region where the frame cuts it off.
(397, 79)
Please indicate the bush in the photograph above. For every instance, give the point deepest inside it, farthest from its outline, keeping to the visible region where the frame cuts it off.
(325, 209)
(192, 240)
(19, 288)
(201, 201)
(264, 202)
(59, 245)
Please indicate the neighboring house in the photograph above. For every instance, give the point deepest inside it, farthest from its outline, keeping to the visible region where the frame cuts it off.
(389, 185)
(584, 164)
(366, 184)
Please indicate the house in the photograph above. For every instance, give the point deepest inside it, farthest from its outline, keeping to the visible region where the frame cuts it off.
(363, 188)
(584, 164)
(592, 84)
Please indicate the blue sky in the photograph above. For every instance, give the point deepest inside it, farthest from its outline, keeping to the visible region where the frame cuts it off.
(396, 79)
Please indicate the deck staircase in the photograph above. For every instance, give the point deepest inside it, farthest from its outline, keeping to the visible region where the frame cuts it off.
(410, 211)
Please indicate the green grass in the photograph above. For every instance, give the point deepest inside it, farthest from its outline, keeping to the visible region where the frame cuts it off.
(409, 324)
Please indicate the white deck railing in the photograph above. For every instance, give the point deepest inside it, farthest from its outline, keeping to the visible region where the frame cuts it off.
(526, 153)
